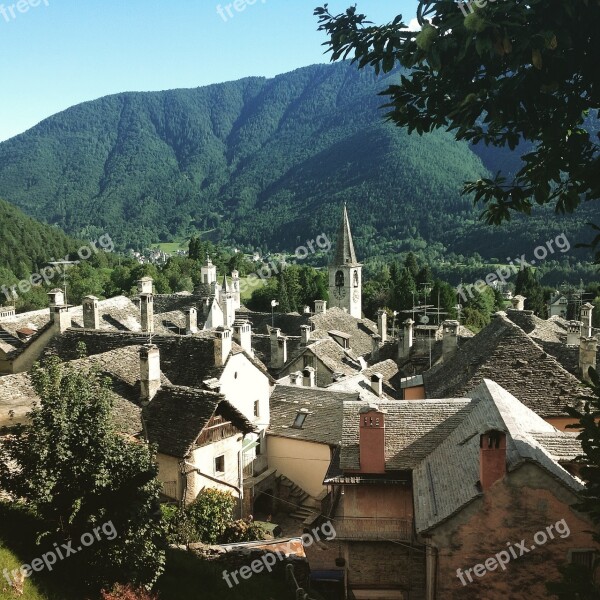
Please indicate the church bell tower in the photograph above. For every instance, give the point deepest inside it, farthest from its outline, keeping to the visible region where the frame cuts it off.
(345, 272)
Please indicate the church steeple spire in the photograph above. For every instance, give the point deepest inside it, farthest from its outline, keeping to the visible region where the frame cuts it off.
(344, 250)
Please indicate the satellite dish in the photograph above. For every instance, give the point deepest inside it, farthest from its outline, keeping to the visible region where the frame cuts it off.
(424, 319)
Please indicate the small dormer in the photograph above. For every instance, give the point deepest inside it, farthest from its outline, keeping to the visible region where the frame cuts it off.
(341, 338)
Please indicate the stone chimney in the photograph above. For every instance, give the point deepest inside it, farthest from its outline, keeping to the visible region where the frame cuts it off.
(586, 318)
(518, 302)
(305, 332)
(372, 440)
(320, 307)
(450, 339)
(375, 342)
(382, 325)
(278, 349)
(191, 320)
(146, 304)
(149, 372)
(242, 334)
(587, 356)
(573, 333)
(7, 311)
(309, 377)
(377, 384)
(91, 314)
(59, 311)
(405, 340)
(296, 378)
(492, 458)
(222, 345)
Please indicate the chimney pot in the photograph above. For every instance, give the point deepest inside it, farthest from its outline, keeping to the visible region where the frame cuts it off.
(587, 356)
(309, 378)
(149, 372)
(91, 314)
(586, 318)
(320, 307)
(573, 333)
(222, 346)
(377, 384)
(382, 325)
(191, 321)
(305, 332)
(518, 302)
(405, 339)
(450, 339)
(376, 341)
(242, 334)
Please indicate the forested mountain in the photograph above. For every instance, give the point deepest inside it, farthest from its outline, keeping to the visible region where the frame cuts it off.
(258, 162)
(26, 245)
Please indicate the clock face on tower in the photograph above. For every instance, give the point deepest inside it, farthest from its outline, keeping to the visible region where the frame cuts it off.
(339, 293)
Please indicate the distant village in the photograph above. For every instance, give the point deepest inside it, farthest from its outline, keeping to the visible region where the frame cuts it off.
(439, 457)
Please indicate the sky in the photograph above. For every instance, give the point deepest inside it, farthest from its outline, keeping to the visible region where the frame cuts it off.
(58, 53)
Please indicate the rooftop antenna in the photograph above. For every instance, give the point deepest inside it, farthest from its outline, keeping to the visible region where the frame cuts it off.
(64, 264)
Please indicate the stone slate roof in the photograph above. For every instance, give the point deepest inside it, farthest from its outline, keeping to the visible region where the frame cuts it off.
(177, 415)
(334, 357)
(261, 344)
(289, 323)
(413, 429)
(391, 377)
(562, 446)
(447, 479)
(121, 366)
(551, 330)
(186, 360)
(504, 352)
(361, 385)
(323, 424)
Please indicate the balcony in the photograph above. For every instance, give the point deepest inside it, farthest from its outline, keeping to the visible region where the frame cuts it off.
(374, 529)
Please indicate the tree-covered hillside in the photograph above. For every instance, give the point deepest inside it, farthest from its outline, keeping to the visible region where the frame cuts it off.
(261, 163)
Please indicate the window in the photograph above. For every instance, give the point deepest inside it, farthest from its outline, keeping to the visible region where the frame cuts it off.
(309, 360)
(257, 408)
(258, 446)
(299, 420)
(582, 557)
(339, 279)
(355, 278)
(220, 464)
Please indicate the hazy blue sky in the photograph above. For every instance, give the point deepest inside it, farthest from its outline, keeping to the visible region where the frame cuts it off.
(63, 52)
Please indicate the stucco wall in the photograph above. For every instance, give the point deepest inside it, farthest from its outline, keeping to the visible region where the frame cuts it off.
(168, 471)
(304, 463)
(513, 509)
(385, 501)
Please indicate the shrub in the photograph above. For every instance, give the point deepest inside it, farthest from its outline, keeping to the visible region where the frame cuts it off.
(128, 592)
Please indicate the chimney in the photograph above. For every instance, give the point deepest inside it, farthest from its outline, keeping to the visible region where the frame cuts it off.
(382, 325)
(7, 311)
(587, 356)
(242, 334)
(518, 302)
(91, 314)
(308, 377)
(372, 440)
(146, 304)
(586, 318)
(320, 307)
(375, 341)
(305, 332)
(405, 341)
(573, 333)
(278, 349)
(377, 384)
(59, 311)
(149, 372)
(307, 310)
(492, 458)
(450, 339)
(222, 345)
(191, 320)
(296, 378)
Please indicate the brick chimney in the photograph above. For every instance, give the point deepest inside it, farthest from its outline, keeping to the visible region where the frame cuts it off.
(518, 302)
(375, 343)
(492, 458)
(91, 314)
(149, 372)
(586, 318)
(377, 383)
(242, 334)
(587, 356)
(222, 346)
(372, 440)
(191, 320)
(382, 325)
(573, 333)
(405, 339)
(305, 332)
(278, 349)
(309, 377)
(450, 339)
(320, 307)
